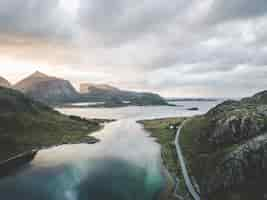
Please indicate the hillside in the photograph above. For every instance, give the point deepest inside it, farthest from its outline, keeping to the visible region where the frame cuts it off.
(4, 82)
(56, 91)
(89, 87)
(26, 125)
(259, 98)
(226, 149)
(113, 96)
(47, 89)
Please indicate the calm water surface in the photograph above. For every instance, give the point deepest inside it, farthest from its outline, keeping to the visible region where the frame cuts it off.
(125, 165)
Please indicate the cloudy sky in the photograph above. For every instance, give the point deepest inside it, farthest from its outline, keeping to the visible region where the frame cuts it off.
(180, 48)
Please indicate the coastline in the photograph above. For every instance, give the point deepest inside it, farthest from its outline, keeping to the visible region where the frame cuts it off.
(11, 165)
(164, 130)
(122, 105)
(167, 191)
(17, 160)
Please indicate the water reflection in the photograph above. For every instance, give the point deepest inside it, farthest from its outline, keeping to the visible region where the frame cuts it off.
(117, 179)
(125, 165)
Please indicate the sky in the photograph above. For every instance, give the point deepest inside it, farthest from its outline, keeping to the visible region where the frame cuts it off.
(183, 48)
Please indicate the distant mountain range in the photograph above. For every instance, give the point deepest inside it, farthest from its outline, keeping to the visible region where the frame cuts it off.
(192, 99)
(55, 91)
(115, 97)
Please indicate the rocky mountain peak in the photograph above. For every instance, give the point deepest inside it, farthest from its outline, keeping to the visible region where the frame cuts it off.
(39, 74)
(46, 89)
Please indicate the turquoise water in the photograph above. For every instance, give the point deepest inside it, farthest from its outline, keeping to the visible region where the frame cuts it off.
(125, 165)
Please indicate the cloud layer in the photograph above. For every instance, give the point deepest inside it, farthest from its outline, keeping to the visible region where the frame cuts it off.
(186, 47)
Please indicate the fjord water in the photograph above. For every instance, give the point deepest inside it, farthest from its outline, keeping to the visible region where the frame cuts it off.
(125, 165)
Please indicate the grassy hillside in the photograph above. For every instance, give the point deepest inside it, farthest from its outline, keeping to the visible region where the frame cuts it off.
(225, 150)
(26, 124)
(165, 135)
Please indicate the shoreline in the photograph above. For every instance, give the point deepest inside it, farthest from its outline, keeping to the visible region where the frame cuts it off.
(169, 184)
(164, 130)
(13, 164)
(110, 105)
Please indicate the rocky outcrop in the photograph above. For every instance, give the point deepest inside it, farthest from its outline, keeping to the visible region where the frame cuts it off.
(231, 145)
(236, 128)
(243, 167)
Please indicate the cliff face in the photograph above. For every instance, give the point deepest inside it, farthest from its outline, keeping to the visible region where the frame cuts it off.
(47, 89)
(241, 173)
(4, 83)
(240, 123)
(229, 157)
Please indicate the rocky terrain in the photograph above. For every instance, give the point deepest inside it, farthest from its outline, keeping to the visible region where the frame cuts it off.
(28, 124)
(4, 82)
(47, 89)
(226, 149)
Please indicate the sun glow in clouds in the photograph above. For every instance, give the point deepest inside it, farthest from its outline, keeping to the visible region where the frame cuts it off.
(70, 7)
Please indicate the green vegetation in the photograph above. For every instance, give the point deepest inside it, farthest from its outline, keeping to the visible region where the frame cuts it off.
(26, 125)
(164, 130)
(195, 152)
(160, 129)
(208, 139)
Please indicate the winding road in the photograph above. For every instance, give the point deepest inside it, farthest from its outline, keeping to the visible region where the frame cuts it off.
(187, 179)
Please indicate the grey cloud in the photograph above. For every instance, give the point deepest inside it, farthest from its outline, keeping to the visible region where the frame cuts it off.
(119, 21)
(204, 42)
(222, 11)
(36, 18)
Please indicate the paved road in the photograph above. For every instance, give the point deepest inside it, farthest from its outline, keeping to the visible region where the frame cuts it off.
(187, 179)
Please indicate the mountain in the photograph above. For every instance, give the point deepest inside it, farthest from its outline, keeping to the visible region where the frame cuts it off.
(113, 96)
(28, 124)
(47, 89)
(89, 87)
(192, 99)
(4, 82)
(52, 90)
(226, 149)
